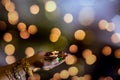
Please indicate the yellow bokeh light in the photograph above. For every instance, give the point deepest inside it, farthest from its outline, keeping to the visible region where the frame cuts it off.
(73, 48)
(29, 51)
(32, 29)
(5, 1)
(24, 34)
(106, 50)
(119, 71)
(10, 6)
(70, 59)
(34, 9)
(91, 59)
(75, 78)
(73, 71)
(50, 6)
(64, 74)
(117, 53)
(87, 77)
(68, 18)
(10, 59)
(7, 37)
(79, 35)
(103, 24)
(86, 53)
(9, 49)
(56, 31)
(115, 38)
(21, 26)
(13, 17)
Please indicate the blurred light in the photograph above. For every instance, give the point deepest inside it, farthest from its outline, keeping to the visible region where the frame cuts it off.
(81, 78)
(106, 50)
(50, 6)
(64, 74)
(7, 37)
(73, 71)
(68, 18)
(79, 34)
(21, 26)
(108, 78)
(32, 29)
(103, 24)
(9, 49)
(75, 78)
(111, 27)
(70, 59)
(24, 34)
(119, 71)
(87, 77)
(115, 38)
(86, 53)
(5, 1)
(117, 53)
(10, 6)
(91, 59)
(34, 9)
(56, 76)
(55, 34)
(13, 17)
(86, 16)
(10, 59)
(73, 48)
(29, 51)
(3, 25)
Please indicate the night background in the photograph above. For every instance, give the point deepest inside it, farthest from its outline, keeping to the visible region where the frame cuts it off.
(88, 30)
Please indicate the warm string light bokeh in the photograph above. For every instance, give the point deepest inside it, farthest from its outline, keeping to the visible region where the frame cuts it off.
(61, 34)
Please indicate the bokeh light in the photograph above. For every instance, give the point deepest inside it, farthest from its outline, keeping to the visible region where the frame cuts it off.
(70, 59)
(7, 37)
(24, 34)
(91, 60)
(9, 49)
(79, 34)
(10, 59)
(73, 71)
(115, 38)
(73, 48)
(86, 53)
(106, 50)
(117, 53)
(32, 29)
(10, 6)
(34, 9)
(56, 76)
(21, 26)
(68, 18)
(103, 24)
(29, 51)
(111, 27)
(3, 25)
(50, 6)
(64, 74)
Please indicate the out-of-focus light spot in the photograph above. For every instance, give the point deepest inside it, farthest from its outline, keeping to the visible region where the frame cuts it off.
(70, 59)
(9, 49)
(50, 6)
(79, 35)
(55, 34)
(7, 37)
(68, 18)
(5, 1)
(10, 6)
(21, 26)
(29, 51)
(103, 24)
(35, 77)
(73, 71)
(75, 78)
(87, 77)
(34, 9)
(86, 16)
(81, 78)
(91, 59)
(108, 78)
(86, 53)
(10, 59)
(56, 76)
(119, 71)
(115, 38)
(106, 50)
(32, 29)
(73, 48)
(117, 53)
(2, 25)
(24, 34)
(64, 74)
(111, 27)
(13, 17)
